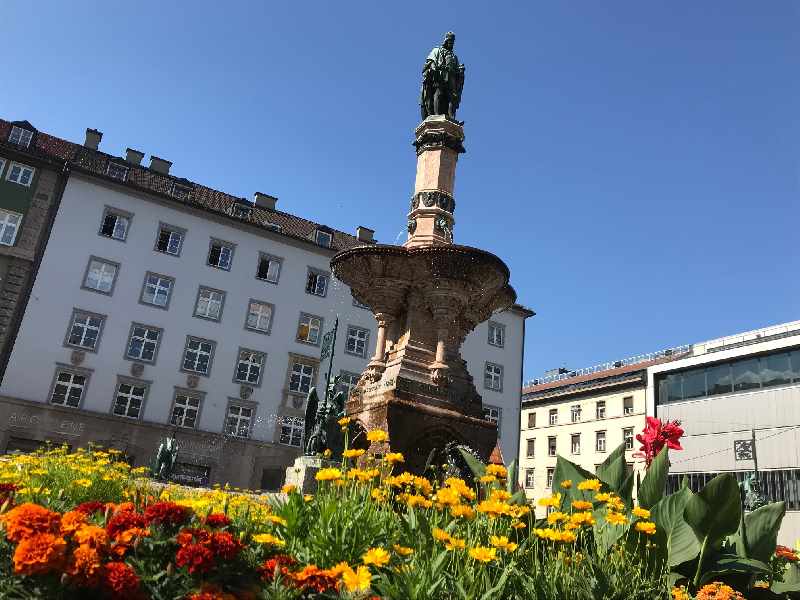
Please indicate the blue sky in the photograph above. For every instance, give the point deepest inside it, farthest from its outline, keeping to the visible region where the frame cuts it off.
(634, 163)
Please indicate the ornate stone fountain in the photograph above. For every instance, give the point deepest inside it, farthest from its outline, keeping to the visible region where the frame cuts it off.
(427, 295)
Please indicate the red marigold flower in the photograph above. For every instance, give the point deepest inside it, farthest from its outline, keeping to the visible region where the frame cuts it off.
(28, 519)
(39, 554)
(85, 566)
(209, 591)
(190, 535)
(167, 513)
(123, 521)
(224, 545)
(276, 563)
(196, 557)
(313, 578)
(786, 553)
(217, 520)
(91, 507)
(121, 580)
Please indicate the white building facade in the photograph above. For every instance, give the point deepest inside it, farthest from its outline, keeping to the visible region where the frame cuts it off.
(163, 306)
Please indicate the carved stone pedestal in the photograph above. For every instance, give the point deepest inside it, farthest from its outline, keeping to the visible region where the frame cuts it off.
(304, 470)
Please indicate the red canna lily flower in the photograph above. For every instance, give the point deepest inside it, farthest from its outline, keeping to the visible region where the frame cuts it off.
(655, 436)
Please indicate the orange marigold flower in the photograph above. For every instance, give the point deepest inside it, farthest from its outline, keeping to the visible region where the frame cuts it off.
(224, 545)
(718, 591)
(581, 505)
(71, 521)
(29, 519)
(123, 520)
(121, 580)
(196, 558)
(209, 591)
(39, 554)
(91, 535)
(85, 565)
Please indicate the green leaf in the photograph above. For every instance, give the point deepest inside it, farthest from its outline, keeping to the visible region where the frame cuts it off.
(512, 481)
(477, 467)
(714, 512)
(678, 538)
(612, 470)
(728, 565)
(655, 480)
(566, 470)
(760, 532)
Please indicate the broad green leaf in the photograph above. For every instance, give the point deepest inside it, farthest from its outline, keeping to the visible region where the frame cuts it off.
(655, 481)
(569, 471)
(713, 513)
(678, 538)
(612, 470)
(477, 467)
(512, 481)
(760, 534)
(728, 565)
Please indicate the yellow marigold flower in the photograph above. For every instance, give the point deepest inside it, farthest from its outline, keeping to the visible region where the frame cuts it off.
(405, 478)
(557, 517)
(615, 503)
(440, 534)
(566, 484)
(488, 479)
(83, 482)
(500, 495)
(377, 435)
(344, 421)
(339, 568)
(616, 518)
(582, 518)
(455, 544)
(327, 453)
(289, 488)
(353, 453)
(403, 550)
(603, 497)
(375, 556)
(416, 500)
(448, 496)
(589, 484)
(680, 593)
(357, 581)
(498, 471)
(519, 510)
(493, 508)
(379, 494)
(308, 497)
(518, 525)
(501, 542)
(483, 554)
(268, 538)
(276, 520)
(423, 485)
(394, 457)
(581, 505)
(554, 500)
(646, 527)
(641, 513)
(328, 474)
(462, 510)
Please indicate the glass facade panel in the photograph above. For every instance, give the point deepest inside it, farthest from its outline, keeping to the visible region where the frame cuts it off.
(746, 375)
(794, 358)
(694, 384)
(775, 370)
(674, 393)
(719, 380)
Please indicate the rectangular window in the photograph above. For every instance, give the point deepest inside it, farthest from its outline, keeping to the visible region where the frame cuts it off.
(100, 275)
(719, 380)
(576, 443)
(575, 413)
(301, 377)
(627, 405)
(269, 268)
(197, 355)
(209, 303)
(530, 478)
(531, 448)
(181, 192)
(600, 441)
(170, 240)
(553, 416)
(531, 420)
(118, 172)
(775, 370)
(220, 255)
(357, 339)
(323, 238)
(84, 331)
(493, 414)
(317, 283)
(551, 446)
(157, 290)
(20, 174)
(185, 411)
(115, 224)
(746, 376)
(627, 435)
(497, 334)
(259, 316)
(143, 342)
(238, 421)
(347, 381)
(21, 137)
(9, 225)
(292, 431)
(129, 401)
(600, 409)
(550, 472)
(493, 377)
(249, 366)
(309, 329)
(68, 389)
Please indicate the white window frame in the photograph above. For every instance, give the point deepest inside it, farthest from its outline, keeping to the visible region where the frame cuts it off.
(532, 421)
(179, 235)
(552, 450)
(530, 448)
(313, 287)
(306, 320)
(69, 386)
(497, 334)
(19, 175)
(181, 406)
(575, 447)
(627, 410)
(493, 414)
(291, 428)
(575, 413)
(359, 336)
(235, 415)
(600, 409)
(493, 377)
(251, 359)
(81, 318)
(300, 368)
(209, 297)
(23, 136)
(122, 217)
(626, 437)
(552, 416)
(259, 315)
(600, 439)
(272, 261)
(551, 471)
(146, 341)
(323, 238)
(128, 399)
(120, 170)
(347, 381)
(223, 245)
(105, 266)
(530, 478)
(198, 351)
(157, 286)
(9, 220)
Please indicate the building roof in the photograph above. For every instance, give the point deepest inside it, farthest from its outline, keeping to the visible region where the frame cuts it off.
(141, 178)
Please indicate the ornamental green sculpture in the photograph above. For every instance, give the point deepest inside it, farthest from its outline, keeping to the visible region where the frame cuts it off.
(442, 80)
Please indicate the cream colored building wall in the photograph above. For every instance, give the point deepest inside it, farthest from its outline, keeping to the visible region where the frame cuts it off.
(614, 424)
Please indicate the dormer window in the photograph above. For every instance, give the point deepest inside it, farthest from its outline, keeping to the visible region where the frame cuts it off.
(181, 192)
(20, 137)
(242, 211)
(116, 171)
(323, 238)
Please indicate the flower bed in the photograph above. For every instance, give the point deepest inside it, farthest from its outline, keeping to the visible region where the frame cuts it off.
(86, 525)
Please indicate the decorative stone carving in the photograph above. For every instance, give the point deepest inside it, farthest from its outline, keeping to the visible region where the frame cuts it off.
(245, 391)
(434, 140)
(297, 401)
(137, 369)
(431, 198)
(77, 357)
(192, 381)
(412, 225)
